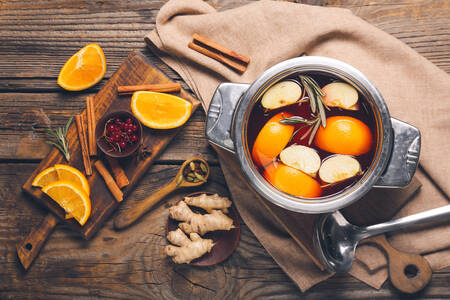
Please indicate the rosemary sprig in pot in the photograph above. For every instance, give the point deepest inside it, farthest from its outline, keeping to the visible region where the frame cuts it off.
(60, 135)
(318, 107)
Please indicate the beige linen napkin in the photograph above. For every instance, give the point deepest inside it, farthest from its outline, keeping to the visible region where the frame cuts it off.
(269, 32)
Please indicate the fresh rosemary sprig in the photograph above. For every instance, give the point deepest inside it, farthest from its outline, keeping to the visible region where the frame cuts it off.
(315, 97)
(60, 135)
(317, 108)
(313, 123)
(296, 120)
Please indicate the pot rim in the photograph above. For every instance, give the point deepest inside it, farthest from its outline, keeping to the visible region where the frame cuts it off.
(337, 69)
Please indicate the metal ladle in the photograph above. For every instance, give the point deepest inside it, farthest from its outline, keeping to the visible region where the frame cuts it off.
(335, 239)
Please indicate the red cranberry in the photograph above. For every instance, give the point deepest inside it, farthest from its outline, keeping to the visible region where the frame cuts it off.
(122, 145)
(110, 128)
(134, 138)
(117, 120)
(134, 128)
(129, 132)
(129, 121)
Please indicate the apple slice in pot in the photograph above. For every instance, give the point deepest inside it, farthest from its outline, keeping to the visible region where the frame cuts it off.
(281, 94)
(301, 158)
(339, 167)
(340, 94)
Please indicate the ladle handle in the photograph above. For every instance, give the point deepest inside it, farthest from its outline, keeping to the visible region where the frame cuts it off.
(433, 215)
(408, 273)
(129, 216)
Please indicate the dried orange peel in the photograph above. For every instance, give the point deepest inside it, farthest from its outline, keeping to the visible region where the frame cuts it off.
(84, 69)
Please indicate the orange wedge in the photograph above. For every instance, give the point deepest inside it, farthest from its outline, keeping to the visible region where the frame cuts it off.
(159, 110)
(84, 69)
(71, 198)
(45, 177)
(61, 172)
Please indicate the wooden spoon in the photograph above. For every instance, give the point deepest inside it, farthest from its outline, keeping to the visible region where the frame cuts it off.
(129, 216)
(408, 272)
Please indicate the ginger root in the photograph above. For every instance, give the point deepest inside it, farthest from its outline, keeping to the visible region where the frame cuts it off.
(189, 249)
(199, 223)
(209, 202)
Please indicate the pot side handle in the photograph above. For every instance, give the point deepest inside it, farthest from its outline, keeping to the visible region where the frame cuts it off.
(219, 118)
(404, 157)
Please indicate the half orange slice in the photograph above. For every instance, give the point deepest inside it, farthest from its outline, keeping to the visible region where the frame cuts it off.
(61, 172)
(71, 198)
(84, 69)
(159, 110)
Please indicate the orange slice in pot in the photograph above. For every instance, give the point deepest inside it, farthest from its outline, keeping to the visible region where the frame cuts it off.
(159, 110)
(84, 69)
(292, 181)
(271, 139)
(344, 135)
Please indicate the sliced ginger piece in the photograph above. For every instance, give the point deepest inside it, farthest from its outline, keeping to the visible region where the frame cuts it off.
(340, 94)
(209, 202)
(339, 167)
(301, 158)
(281, 94)
(188, 249)
(199, 223)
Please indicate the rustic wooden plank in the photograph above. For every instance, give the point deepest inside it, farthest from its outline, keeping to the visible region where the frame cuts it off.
(107, 266)
(37, 37)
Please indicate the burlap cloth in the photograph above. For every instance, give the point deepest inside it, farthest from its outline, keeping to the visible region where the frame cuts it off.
(269, 32)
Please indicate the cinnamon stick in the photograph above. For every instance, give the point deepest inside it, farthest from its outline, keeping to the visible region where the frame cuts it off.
(91, 125)
(201, 39)
(161, 87)
(118, 172)
(83, 144)
(218, 57)
(110, 183)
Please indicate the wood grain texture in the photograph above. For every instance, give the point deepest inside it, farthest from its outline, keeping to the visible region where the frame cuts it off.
(58, 28)
(30, 247)
(36, 38)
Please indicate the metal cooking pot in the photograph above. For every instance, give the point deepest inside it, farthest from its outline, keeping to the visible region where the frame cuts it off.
(397, 149)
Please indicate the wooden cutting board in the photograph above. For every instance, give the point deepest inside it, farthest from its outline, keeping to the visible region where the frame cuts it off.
(135, 70)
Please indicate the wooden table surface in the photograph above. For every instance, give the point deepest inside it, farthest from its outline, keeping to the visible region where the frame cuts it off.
(36, 38)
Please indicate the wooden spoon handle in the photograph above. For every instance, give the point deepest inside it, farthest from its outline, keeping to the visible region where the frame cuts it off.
(129, 216)
(33, 243)
(408, 272)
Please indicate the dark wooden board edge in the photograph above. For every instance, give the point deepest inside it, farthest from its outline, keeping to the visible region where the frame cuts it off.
(54, 156)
